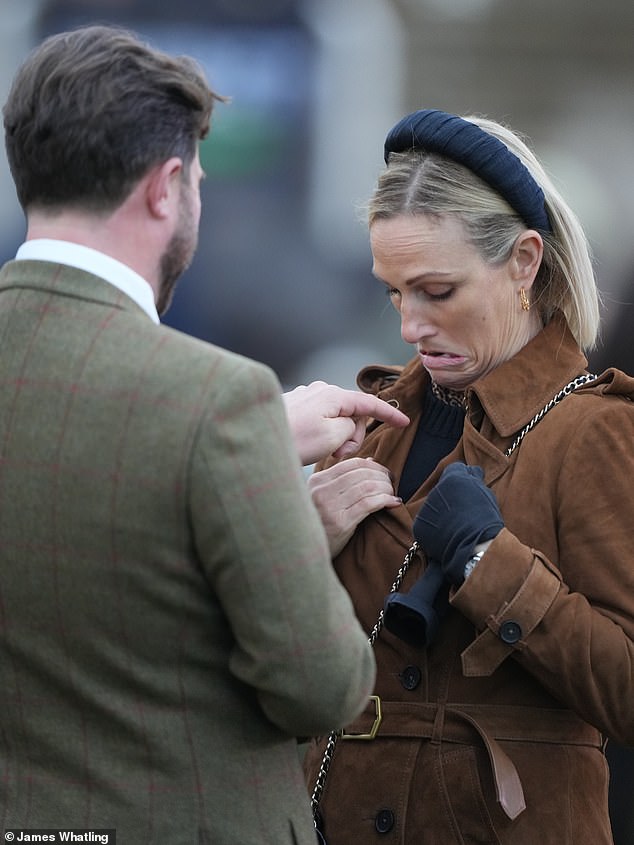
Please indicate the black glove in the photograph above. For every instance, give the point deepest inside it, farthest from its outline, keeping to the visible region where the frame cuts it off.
(416, 616)
(459, 513)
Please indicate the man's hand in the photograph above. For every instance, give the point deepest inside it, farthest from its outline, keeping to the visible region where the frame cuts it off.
(346, 493)
(329, 420)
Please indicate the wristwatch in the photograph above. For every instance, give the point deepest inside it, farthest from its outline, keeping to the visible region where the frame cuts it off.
(471, 564)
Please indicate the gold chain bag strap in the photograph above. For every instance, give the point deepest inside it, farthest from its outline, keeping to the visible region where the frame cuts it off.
(320, 781)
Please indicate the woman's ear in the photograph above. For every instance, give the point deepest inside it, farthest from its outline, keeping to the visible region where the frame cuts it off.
(526, 258)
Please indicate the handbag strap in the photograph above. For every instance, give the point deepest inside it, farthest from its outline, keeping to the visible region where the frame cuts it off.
(329, 751)
(573, 385)
(334, 735)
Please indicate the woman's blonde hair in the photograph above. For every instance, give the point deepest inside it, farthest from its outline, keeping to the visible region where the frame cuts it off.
(421, 182)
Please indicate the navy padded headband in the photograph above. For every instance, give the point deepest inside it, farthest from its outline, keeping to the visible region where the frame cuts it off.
(487, 156)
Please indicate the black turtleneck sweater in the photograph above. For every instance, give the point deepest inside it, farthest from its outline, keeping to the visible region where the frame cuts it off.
(439, 431)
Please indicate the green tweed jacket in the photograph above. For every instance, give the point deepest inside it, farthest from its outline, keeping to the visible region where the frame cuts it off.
(169, 620)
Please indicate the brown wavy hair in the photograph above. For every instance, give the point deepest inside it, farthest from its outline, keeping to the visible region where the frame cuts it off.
(90, 111)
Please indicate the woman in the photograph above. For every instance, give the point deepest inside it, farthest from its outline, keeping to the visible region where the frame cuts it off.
(506, 668)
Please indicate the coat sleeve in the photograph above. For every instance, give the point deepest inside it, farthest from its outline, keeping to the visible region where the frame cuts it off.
(569, 621)
(295, 639)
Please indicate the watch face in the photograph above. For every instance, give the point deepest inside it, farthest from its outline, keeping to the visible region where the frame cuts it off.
(471, 564)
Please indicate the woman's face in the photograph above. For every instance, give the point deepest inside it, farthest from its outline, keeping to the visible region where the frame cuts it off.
(463, 315)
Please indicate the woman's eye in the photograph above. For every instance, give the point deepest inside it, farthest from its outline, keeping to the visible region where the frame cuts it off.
(439, 297)
(427, 294)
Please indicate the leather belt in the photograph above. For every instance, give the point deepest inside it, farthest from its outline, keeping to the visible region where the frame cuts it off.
(493, 723)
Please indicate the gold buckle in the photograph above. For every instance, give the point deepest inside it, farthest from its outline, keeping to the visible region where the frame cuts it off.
(378, 717)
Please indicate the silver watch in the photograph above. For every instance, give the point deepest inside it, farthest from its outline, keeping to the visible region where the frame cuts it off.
(471, 564)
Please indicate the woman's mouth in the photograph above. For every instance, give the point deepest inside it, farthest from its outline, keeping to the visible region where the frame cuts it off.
(433, 360)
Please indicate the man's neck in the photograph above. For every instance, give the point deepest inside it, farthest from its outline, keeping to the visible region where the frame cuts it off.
(122, 234)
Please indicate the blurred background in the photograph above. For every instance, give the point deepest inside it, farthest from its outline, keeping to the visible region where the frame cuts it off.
(282, 273)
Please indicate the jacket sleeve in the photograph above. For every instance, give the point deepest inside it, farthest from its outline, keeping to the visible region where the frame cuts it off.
(571, 624)
(296, 640)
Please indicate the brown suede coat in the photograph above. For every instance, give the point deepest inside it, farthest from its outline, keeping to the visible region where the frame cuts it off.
(483, 741)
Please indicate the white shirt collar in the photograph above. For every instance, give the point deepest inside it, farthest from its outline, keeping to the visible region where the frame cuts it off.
(97, 263)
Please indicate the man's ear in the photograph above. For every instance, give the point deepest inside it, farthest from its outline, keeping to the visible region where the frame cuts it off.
(163, 187)
(526, 257)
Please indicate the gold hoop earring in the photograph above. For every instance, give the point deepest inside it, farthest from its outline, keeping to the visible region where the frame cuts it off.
(524, 300)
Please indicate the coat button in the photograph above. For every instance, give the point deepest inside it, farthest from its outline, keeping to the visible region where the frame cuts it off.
(510, 632)
(410, 677)
(384, 821)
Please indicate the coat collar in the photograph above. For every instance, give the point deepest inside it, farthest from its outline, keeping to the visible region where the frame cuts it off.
(515, 391)
(508, 398)
(61, 279)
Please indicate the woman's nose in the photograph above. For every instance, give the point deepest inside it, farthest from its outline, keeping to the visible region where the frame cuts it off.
(414, 326)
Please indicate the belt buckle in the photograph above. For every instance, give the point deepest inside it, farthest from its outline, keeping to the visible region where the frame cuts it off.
(378, 717)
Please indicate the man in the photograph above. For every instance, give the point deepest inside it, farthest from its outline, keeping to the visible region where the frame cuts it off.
(170, 620)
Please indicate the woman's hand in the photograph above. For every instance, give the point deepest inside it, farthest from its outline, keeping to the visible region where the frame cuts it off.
(459, 513)
(346, 493)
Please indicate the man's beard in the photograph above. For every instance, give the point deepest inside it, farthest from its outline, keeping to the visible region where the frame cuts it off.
(177, 257)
